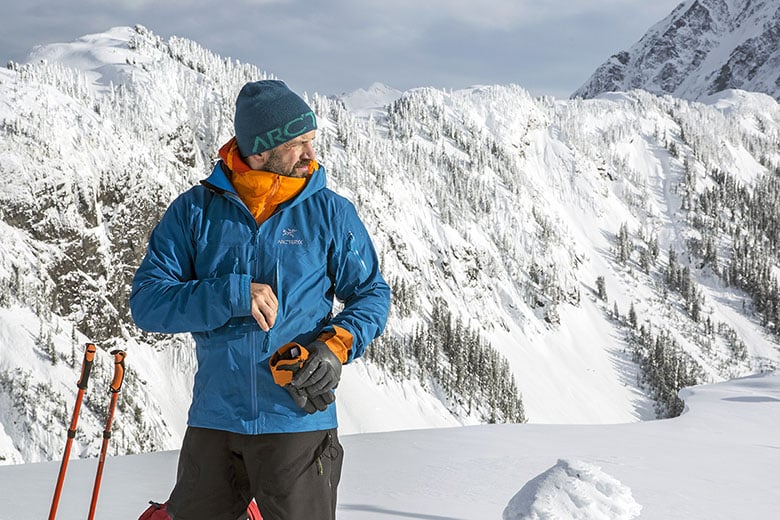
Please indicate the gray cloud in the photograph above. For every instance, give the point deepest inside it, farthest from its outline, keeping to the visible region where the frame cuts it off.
(336, 46)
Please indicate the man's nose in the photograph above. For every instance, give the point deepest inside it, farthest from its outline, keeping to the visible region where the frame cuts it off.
(308, 151)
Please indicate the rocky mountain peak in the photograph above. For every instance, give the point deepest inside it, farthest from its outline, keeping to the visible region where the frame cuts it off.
(701, 48)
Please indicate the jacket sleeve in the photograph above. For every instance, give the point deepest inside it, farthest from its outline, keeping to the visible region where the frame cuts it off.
(166, 296)
(359, 285)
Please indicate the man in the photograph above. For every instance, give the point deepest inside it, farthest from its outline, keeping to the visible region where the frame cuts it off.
(249, 262)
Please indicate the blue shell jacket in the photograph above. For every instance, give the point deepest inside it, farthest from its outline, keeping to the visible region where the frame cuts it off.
(196, 276)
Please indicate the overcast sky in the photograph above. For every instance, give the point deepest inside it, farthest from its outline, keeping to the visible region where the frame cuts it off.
(549, 47)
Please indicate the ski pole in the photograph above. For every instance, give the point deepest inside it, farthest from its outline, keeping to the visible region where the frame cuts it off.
(116, 385)
(86, 367)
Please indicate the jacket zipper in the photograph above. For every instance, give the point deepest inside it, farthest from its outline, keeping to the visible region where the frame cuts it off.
(253, 387)
(351, 249)
(278, 288)
(264, 346)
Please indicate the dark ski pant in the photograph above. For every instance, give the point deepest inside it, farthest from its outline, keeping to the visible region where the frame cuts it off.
(293, 476)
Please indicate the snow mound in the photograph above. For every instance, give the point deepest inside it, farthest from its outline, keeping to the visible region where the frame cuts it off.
(574, 490)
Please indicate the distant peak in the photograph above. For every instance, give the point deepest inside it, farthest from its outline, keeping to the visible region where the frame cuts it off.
(700, 48)
(376, 96)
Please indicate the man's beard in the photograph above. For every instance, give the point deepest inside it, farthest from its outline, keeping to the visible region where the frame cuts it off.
(275, 165)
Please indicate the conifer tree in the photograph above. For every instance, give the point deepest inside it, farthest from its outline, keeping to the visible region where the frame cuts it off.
(602, 289)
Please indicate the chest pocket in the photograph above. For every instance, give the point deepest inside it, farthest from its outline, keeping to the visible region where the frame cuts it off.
(223, 240)
(300, 276)
(224, 259)
(224, 247)
(300, 253)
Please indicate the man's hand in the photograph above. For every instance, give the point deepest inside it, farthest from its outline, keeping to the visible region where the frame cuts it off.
(309, 374)
(320, 372)
(264, 305)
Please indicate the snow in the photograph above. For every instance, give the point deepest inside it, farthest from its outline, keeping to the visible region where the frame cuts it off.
(573, 489)
(100, 56)
(385, 404)
(700, 47)
(409, 454)
(578, 372)
(585, 354)
(371, 101)
(719, 460)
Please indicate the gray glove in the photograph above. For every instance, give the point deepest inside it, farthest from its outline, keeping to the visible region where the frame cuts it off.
(318, 375)
(311, 403)
(303, 401)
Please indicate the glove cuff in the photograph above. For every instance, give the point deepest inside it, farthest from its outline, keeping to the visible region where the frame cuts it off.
(339, 341)
(286, 361)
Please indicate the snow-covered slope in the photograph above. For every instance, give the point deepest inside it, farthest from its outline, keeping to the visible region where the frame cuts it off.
(494, 212)
(373, 100)
(718, 461)
(702, 47)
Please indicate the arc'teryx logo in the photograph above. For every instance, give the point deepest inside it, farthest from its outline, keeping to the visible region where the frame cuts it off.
(272, 138)
(288, 238)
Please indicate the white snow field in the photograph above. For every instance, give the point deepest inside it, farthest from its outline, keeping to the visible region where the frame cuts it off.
(719, 460)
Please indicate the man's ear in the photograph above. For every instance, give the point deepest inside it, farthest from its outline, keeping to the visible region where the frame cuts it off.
(257, 161)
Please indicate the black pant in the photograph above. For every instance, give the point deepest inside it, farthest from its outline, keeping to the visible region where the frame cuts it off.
(293, 476)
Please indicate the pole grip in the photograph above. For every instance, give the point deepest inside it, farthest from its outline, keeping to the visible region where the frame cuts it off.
(86, 365)
(119, 370)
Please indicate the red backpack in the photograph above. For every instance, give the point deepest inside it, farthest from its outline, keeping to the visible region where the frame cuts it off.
(157, 511)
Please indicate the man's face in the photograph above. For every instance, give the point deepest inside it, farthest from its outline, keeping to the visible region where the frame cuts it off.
(290, 159)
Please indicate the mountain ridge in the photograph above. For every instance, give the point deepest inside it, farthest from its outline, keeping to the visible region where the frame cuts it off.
(700, 48)
(501, 208)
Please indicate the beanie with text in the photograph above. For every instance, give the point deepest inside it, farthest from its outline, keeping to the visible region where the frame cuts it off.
(268, 114)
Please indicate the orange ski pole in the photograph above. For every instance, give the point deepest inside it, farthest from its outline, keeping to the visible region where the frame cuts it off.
(116, 386)
(86, 367)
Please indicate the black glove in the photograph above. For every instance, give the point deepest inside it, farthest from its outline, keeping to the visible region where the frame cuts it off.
(284, 363)
(301, 399)
(311, 404)
(320, 401)
(315, 388)
(319, 375)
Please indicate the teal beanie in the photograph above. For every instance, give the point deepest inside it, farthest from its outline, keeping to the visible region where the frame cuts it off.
(268, 114)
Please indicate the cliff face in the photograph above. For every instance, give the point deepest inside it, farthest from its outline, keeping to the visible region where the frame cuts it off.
(702, 47)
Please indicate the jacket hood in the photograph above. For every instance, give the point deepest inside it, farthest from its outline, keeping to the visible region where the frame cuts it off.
(219, 181)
